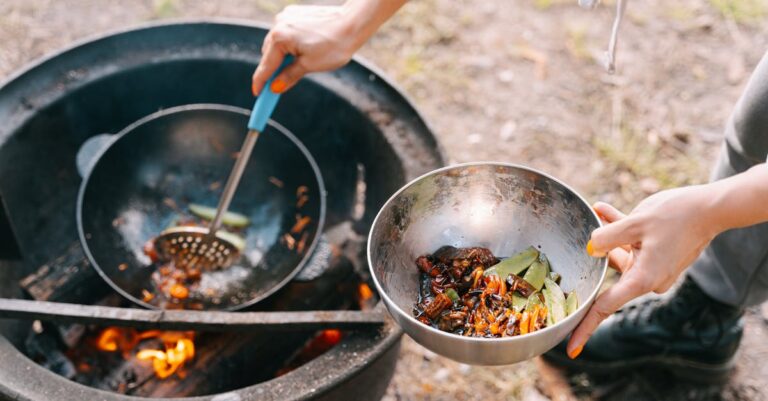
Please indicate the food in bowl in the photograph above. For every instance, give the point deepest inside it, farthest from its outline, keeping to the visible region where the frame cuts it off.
(471, 292)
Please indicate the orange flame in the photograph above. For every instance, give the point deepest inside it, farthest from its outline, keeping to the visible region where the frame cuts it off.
(169, 361)
(117, 339)
(365, 297)
(364, 292)
(179, 347)
(107, 340)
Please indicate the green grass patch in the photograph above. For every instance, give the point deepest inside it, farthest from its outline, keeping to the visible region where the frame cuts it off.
(666, 164)
(164, 9)
(742, 11)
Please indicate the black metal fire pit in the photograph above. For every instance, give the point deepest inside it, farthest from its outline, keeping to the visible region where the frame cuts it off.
(366, 137)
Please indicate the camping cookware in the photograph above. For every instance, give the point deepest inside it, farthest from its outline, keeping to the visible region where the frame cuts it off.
(141, 181)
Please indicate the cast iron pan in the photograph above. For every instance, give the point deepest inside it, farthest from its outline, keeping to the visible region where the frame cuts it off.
(140, 181)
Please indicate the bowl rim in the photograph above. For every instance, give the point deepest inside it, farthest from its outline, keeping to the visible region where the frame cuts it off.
(454, 337)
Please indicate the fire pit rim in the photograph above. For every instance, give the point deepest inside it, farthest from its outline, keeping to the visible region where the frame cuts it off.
(26, 368)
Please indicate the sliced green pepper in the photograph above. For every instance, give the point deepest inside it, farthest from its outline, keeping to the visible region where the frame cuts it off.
(554, 300)
(236, 240)
(514, 264)
(519, 302)
(452, 294)
(571, 303)
(536, 275)
(231, 219)
(533, 299)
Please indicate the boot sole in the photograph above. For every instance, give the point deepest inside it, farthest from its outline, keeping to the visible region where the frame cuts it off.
(691, 371)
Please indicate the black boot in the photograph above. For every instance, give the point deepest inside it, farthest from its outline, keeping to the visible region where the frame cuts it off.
(687, 333)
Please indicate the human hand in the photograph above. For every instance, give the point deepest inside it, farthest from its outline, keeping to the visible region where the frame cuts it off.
(319, 37)
(651, 247)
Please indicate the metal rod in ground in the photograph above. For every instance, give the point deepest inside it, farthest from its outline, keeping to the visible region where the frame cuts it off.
(189, 320)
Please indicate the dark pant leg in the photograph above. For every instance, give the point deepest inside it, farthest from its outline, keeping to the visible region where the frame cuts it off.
(734, 268)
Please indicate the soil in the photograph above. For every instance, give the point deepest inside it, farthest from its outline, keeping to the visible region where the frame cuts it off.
(521, 81)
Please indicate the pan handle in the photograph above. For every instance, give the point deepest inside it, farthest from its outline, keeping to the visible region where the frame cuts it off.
(267, 100)
(90, 151)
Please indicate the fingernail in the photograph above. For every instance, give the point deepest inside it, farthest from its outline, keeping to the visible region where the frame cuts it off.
(253, 89)
(575, 352)
(591, 250)
(278, 86)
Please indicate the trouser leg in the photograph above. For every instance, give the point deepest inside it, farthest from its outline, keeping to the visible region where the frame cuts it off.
(734, 268)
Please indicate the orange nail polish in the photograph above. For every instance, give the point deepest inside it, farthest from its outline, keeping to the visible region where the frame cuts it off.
(253, 89)
(278, 86)
(591, 251)
(575, 352)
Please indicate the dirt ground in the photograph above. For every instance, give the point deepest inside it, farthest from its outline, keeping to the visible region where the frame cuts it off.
(521, 81)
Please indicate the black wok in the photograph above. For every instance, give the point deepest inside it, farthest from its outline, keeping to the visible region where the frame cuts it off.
(140, 181)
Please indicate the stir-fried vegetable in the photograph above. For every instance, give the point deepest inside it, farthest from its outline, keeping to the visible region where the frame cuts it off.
(468, 291)
(536, 275)
(235, 239)
(515, 264)
(232, 219)
(555, 300)
(571, 303)
(452, 294)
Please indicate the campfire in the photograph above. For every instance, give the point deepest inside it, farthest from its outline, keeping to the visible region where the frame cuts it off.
(366, 138)
(178, 348)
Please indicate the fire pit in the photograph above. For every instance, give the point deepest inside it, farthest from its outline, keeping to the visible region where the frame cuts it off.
(366, 137)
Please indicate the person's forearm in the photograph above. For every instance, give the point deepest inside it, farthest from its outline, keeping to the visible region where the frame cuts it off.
(741, 200)
(366, 16)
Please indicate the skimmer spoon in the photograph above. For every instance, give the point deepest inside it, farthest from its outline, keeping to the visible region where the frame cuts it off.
(211, 248)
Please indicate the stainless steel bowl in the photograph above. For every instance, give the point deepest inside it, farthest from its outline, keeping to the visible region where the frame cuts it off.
(503, 207)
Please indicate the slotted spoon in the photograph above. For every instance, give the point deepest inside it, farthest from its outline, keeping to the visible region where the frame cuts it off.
(210, 248)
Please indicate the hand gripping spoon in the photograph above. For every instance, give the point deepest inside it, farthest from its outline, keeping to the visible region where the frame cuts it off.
(209, 248)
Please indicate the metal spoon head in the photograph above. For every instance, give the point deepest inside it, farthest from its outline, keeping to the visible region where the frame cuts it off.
(195, 248)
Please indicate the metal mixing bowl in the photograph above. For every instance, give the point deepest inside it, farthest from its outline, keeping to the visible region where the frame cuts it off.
(503, 207)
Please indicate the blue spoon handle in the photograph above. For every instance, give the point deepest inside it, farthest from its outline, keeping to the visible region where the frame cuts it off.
(267, 100)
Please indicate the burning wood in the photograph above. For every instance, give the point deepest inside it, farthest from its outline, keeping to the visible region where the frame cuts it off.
(315, 347)
(109, 358)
